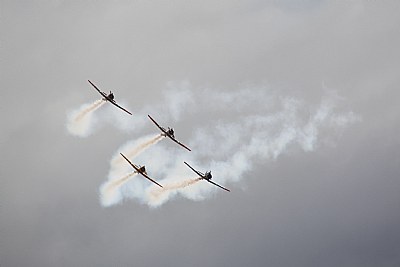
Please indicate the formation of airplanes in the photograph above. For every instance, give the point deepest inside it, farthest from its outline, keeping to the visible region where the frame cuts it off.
(169, 132)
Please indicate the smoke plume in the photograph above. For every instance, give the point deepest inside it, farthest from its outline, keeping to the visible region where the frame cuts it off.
(80, 121)
(133, 149)
(158, 195)
(109, 194)
(110, 191)
(232, 132)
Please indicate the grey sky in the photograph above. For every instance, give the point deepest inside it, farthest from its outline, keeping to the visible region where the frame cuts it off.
(336, 204)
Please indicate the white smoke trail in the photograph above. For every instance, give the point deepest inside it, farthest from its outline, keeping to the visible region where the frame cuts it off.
(235, 131)
(158, 195)
(175, 104)
(131, 150)
(109, 191)
(80, 121)
(231, 148)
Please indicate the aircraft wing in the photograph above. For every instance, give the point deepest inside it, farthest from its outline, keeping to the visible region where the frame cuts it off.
(198, 173)
(179, 143)
(115, 104)
(98, 90)
(218, 185)
(145, 175)
(165, 132)
(161, 128)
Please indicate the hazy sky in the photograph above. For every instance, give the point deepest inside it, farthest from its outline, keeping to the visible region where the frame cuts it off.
(294, 106)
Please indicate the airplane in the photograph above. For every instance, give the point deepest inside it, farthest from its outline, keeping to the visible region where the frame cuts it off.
(169, 133)
(206, 176)
(141, 170)
(109, 98)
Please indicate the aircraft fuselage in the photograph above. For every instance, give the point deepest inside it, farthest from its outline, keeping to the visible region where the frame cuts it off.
(207, 176)
(142, 169)
(109, 97)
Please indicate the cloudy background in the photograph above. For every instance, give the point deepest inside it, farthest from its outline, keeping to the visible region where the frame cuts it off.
(331, 199)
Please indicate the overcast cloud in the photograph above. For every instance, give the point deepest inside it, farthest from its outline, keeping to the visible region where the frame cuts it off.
(294, 106)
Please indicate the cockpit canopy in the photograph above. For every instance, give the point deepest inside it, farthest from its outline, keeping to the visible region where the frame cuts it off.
(142, 169)
(170, 132)
(111, 96)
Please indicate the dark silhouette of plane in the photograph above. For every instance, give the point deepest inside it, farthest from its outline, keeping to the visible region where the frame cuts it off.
(169, 132)
(141, 170)
(109, 97)
(206, 176)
